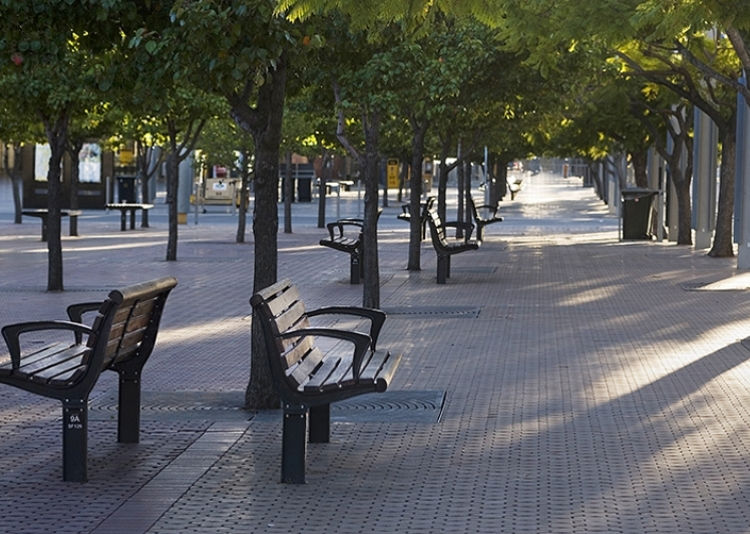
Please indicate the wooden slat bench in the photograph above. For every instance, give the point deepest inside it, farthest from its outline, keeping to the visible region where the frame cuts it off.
(126, 208)
(309, 379)
(120, 338)
(424, 207)
(346, 235)
(445, 248)
(483, 215)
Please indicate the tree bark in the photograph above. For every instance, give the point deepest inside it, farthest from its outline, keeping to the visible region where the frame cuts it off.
(288, 193)
(244, 197)
(16, 178)
(172, 187)
(639, 159)
(57, 134)
(419, 130)
(263, 122)
(722, 246)
(371, 284)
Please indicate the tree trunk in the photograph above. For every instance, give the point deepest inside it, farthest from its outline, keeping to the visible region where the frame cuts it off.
(173, 167)
(639, 159)
(722, 246)
(288, 194)
(417, 156)
(57, 138)
(460, 188)
(322, 189)
(501, 183)
(244, 197)
(16, 178)
(445, 147)
(684, 230)
(467, 194)
(264, 123)
(371, 283)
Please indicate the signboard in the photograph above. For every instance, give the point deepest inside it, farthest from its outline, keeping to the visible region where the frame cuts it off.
(392, 174)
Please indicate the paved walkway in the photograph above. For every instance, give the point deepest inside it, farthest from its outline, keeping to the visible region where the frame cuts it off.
(561, 382)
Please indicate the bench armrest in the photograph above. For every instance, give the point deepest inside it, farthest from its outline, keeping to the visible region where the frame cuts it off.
(12, 333)
(340, 224)
(377, 317)
(361, 342)
(76, 311)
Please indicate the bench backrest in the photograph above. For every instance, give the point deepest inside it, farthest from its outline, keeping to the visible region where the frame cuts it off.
(437, 228)
(127, 322)
(279, 309)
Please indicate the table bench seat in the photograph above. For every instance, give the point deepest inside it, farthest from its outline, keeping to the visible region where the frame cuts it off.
(125, 208)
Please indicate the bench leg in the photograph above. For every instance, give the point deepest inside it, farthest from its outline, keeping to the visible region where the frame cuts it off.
(355, 268)
(75, 429)
(123, 220)
(443, 268)
(73, 225)
(320, 423)
(132, 219)
(129, 408)
(294, 445)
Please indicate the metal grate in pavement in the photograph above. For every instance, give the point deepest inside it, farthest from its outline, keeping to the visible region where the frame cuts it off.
(467, 312)
(391, 407)
(180, 405)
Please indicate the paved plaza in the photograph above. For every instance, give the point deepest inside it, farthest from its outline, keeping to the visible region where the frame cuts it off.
(562, 381)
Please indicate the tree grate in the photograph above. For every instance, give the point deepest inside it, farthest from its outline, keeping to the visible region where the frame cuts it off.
(459, 312)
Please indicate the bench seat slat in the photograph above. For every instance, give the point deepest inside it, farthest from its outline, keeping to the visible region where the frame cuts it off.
(380, 368)
(321, 374)
(300, 374)
(341, 376)
(292, 318)
(40, 354)
(281, 302)
(297, 351)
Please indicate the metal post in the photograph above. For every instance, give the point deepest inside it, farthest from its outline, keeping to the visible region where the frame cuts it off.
(742, 187)
(75, 446)
(294, 444)
(129, 408)
(320, 423)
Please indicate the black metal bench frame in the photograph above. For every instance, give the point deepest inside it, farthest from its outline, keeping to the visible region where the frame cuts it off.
(427, 205)
(481, 222)
(120, 338)
(309, 380)
(444, 248)
(340, 238)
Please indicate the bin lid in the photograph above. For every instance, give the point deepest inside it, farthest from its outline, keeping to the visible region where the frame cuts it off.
(638, 192)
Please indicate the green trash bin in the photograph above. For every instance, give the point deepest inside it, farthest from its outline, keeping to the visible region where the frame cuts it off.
(636, 212)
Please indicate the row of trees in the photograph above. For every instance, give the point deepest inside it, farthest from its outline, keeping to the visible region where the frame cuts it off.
(368, 79)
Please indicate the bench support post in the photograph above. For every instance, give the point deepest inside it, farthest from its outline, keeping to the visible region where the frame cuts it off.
(354, 268)
(443, 268)
(294, 444)
(129, 408)
(320, 423)
(75, 430)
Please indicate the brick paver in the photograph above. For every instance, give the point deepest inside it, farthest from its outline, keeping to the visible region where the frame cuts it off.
(591, 385)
